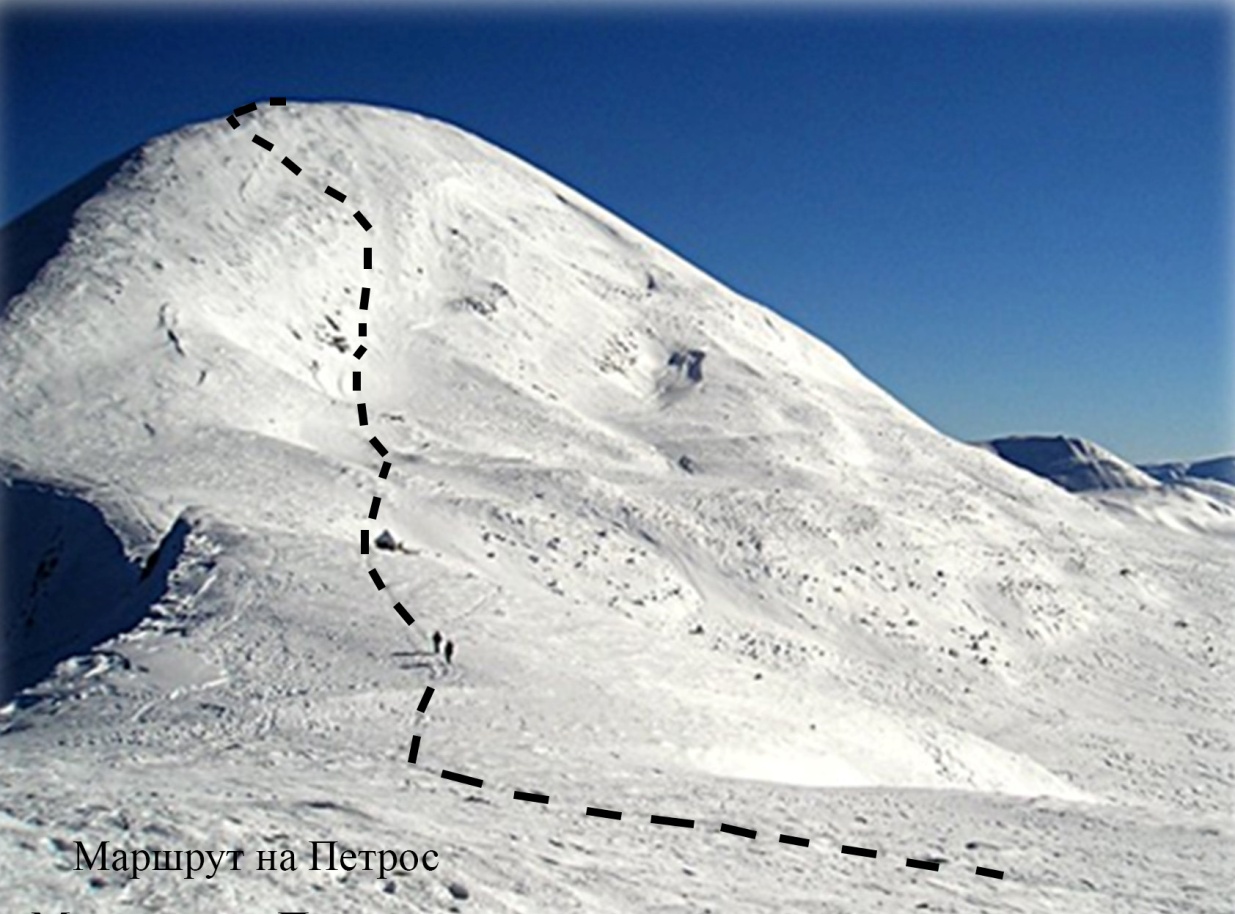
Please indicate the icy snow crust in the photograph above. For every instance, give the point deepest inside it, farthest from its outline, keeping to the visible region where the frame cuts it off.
(695, 565)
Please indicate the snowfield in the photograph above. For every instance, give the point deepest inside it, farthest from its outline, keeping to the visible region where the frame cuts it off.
(694, 563)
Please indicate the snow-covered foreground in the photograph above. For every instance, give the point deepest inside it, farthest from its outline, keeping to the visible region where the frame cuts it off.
(695, 565)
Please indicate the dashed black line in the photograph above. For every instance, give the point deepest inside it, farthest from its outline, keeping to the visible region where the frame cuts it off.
(672, 821)
(425, 698)
(527, 797)
(462, 778)
(362, 330)
(375, 576)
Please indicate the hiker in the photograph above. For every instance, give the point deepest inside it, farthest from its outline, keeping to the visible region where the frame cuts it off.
(450, 651)
(437, 642)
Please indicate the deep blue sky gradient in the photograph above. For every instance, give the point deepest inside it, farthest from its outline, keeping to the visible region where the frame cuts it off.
(1015, 222)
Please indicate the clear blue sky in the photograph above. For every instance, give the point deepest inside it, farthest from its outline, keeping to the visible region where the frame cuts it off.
(1016, 222)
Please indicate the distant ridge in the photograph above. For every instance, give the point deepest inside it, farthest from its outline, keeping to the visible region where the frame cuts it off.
(1217, 469)
(1072, 463)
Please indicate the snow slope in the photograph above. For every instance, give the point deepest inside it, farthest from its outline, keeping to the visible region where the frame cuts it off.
(694, 562)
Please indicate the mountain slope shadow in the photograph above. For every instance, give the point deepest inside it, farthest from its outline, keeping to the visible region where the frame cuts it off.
(34, 237)
(67, 584)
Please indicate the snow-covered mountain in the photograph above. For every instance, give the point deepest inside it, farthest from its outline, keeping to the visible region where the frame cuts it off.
(1218, 469)
(1083, 466)
(1073, 463)
(694, 563)
(1185, 496)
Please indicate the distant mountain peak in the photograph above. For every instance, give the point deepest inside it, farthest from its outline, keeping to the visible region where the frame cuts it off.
(1075, 464)
(1217, 469)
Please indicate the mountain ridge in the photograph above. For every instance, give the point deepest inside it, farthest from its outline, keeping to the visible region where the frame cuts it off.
(1079, 464)
(624, 490)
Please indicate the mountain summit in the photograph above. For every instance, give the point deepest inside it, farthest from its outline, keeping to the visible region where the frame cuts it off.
(689, 555)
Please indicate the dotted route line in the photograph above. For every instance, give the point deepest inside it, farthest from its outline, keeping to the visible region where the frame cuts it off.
(362, 330)
(599, 812)
(375, 504)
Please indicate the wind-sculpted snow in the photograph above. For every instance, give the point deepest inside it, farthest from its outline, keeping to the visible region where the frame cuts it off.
(67, 583)
(745, 587)
(33, 238)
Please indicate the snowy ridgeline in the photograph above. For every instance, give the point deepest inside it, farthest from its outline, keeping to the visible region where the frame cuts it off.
(1082, 466)
(688, 555)
(1197, 496)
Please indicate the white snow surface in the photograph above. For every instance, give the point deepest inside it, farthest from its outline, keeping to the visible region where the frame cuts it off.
(695, 565)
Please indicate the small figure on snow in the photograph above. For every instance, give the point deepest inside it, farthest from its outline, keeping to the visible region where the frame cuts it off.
(437, 642)
(450, 651)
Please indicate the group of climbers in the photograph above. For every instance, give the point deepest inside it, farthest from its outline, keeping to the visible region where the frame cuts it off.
(437, 647)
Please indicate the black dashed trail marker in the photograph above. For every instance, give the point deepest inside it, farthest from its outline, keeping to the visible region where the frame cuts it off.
(234, 121)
